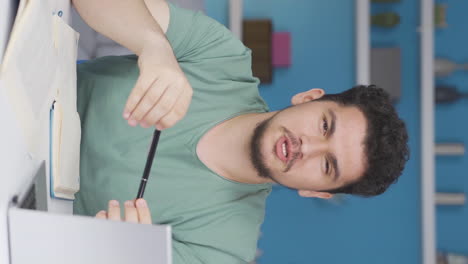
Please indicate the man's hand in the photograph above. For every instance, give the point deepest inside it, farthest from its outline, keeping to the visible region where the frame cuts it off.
(139, 214)
(162, 93)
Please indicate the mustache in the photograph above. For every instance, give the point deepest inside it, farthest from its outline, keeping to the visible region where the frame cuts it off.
(295, 156)
(295, 143)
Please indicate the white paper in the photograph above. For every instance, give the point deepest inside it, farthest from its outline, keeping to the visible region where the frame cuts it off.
(29, 66)
(39, 68)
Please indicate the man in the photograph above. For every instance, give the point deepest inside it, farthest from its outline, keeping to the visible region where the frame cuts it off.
(220, 150)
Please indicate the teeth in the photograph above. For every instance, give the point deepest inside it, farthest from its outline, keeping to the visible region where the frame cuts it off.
(284, 150)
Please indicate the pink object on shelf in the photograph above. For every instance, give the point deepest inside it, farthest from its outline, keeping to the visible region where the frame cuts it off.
(281, 49)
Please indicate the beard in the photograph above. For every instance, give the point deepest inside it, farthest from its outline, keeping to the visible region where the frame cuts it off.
(256, 156)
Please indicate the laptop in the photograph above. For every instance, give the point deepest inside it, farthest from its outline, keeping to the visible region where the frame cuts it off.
(37, 236)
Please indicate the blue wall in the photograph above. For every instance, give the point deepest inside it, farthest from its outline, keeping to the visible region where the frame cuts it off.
(385, 229)
(452, 126)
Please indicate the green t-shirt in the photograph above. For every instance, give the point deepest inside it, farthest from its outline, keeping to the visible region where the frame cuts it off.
(214, 220)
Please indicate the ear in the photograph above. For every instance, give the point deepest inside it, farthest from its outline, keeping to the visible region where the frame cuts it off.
(308, 96)
(309, 194)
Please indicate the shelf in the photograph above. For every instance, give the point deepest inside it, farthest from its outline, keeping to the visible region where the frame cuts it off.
(235, 17)
(428, 238)
(362, 42)
(426, 29)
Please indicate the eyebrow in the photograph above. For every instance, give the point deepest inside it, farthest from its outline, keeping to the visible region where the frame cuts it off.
(332, 157)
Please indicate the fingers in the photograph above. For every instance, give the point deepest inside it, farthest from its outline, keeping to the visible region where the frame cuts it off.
(131, 214)
(142, 85)
(139, 214)
(163, 107)
(162, 102)
(144, 213)
(135, 212)
(114, 211)
(157, 96)
(178, 111)
(101, 215)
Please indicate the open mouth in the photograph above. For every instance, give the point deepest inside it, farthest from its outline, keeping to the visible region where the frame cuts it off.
(283, 149)
(287, 149)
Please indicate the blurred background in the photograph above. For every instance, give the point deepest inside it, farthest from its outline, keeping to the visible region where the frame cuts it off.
(317, 43)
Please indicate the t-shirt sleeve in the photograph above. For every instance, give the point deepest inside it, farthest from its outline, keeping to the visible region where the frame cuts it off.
(195, 36)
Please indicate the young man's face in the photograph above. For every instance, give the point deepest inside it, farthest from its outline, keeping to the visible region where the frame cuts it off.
(311, 146)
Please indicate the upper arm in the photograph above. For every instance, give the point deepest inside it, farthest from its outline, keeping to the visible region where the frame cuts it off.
(159, 9)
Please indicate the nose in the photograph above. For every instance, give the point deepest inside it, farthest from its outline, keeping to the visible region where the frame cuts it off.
(312, 146)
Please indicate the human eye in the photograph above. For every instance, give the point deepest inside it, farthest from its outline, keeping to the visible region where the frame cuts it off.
(327, 167)
(324, 125)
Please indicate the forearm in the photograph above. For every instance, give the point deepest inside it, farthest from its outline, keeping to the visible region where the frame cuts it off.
(128, 22)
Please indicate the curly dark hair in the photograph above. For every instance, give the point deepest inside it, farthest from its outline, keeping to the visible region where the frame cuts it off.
(385, 143)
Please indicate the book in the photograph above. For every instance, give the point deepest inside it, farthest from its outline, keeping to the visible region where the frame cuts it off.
(64, 154)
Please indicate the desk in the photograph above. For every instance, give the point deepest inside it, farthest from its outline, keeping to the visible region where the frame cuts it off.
(16, 163)
(53, 205)
(54, 236)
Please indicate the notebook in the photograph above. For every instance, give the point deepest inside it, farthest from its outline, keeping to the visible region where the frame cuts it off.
(64, 154)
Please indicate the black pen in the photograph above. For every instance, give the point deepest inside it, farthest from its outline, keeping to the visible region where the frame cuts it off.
(149, 162)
